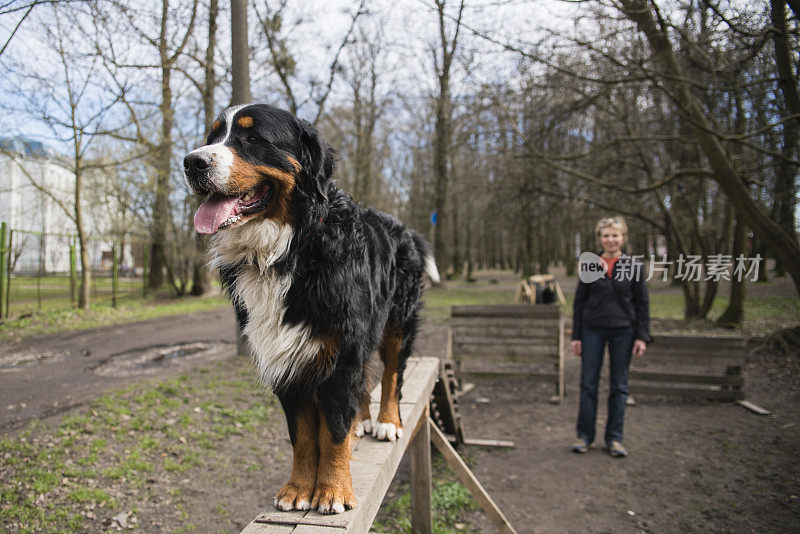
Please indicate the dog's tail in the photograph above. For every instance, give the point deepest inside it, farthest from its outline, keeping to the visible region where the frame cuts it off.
(428, 259)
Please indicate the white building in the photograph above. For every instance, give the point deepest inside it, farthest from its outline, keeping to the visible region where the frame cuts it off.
(29, 210)
(43, 230)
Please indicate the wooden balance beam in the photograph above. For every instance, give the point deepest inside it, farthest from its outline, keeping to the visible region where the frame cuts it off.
(374, 463)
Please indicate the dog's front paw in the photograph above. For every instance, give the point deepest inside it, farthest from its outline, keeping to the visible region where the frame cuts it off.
(387, 431)
(333, 499)
(291, 497)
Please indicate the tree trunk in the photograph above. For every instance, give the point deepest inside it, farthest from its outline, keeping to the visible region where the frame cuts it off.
(442, 129)
(786, 245)
(734, 314)
(84, 296)
(201, 275)
(440, 149)
(240, 53)
(161, 207)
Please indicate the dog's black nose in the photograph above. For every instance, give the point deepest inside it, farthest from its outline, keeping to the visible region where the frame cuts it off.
(196, 162)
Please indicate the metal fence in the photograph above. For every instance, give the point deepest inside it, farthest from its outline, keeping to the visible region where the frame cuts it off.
(42, 271)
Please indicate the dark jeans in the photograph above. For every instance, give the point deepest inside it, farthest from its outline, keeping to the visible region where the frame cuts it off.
(620, 344)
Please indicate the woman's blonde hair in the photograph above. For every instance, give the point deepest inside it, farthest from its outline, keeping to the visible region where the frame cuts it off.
(618, 223)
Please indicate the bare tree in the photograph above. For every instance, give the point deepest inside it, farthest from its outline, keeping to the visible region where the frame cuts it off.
(646, 16)
(167, 45)
(443, 62)
(72, 104)
(240, 48)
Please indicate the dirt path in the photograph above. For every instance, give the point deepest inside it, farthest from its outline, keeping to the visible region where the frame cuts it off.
(45, 375)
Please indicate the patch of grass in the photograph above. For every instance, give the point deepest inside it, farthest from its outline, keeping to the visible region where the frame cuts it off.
(117, 445)
(438, 300)
(148, 443)
(451, 502)
(95, 495)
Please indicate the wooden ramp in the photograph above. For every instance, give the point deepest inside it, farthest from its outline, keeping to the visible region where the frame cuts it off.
(374, 463)
(509, 341)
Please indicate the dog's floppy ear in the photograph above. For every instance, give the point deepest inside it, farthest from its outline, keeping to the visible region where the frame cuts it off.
(316, 158)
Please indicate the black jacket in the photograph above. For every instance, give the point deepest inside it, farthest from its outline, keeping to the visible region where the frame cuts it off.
(596, 304)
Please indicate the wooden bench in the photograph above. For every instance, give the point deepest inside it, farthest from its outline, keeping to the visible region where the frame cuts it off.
(374, 463)
(517, 340)
(691, 367)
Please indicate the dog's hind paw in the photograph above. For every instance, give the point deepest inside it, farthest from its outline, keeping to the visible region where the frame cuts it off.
(363, 427)
(387, 432)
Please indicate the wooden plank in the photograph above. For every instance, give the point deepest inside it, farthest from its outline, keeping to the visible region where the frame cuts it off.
(560, 294)
(692, 378)
(372, 467)
(263, 528)
(550, 340)
(539, 376)
(467, 478)
(697, 351)
(548, 324)
(664, 340)
(698, 358)
(478, 442)
(694, 393)
(525, 330)
(506, 310)
(421, 482)
(507, 349)
(754, 407)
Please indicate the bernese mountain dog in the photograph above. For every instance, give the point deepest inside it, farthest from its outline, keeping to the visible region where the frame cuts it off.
(318, 284)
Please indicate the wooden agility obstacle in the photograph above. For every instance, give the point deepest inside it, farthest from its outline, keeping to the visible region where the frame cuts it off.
(373, 465)
(697, 367)
(511, 341)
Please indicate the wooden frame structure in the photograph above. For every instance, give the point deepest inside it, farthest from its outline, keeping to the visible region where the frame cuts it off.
(691, 367)
(507, 341)
(373, 465)
(526, 289)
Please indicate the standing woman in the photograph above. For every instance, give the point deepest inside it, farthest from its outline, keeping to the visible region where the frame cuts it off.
(613, 310)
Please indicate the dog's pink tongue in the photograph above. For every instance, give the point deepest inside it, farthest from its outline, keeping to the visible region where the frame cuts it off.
(213, 212)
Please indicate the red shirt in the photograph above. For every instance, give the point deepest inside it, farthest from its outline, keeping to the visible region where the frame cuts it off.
(610, 264)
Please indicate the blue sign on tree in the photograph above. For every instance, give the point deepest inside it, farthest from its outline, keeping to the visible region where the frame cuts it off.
(433, 217)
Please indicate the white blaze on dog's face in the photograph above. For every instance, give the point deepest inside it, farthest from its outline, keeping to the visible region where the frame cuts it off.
(247, 169)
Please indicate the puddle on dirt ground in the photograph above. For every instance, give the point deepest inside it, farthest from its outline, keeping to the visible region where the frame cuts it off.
(152, 360)
(18, 360)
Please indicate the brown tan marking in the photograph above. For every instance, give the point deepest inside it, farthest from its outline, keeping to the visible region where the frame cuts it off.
(305, 452)
(215, 125)
(295, 163)
(245, 122)
(390, 355)
(327, 354)
(334, 484)
(245, 176)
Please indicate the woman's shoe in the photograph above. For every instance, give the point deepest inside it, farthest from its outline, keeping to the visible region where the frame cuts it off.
(580, 446)
(616, 450)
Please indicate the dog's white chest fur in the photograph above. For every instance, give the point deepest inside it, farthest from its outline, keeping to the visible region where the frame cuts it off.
(280, 350)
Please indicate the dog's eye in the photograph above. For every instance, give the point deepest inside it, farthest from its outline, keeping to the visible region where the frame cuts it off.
(252, 140)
